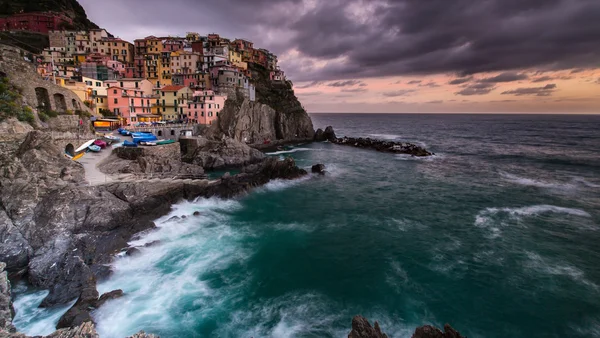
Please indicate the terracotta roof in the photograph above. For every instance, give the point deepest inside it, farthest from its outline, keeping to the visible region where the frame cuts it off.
(171, 88)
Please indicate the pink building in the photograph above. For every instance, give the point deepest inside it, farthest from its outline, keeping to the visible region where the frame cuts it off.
(205, 107)
(172, 45)
(128, 103)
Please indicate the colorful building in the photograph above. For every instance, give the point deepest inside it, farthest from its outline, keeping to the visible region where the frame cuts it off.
(169, 101)
(198, 80)
(130, 105)
(76, 87)
(204, 108)
(139, 84)
(184, 62)
(97, 95)
(117, 49)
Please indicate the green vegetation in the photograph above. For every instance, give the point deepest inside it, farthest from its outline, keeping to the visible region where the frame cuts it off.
(10, 103)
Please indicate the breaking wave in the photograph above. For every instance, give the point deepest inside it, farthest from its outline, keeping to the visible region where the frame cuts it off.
(294, 150)
(495, 218)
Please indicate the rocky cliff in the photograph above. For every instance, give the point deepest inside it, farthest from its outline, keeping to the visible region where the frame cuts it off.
(276, 115)
(361, 328)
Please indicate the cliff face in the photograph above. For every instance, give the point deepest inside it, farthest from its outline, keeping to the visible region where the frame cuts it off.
(70, 8)
(276, 115)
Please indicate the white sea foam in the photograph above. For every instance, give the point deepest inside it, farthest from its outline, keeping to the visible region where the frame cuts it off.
(293, 150)
(537, 183)
(539, 264)
(407, 157)
(33, 320)
(163, 277)
(494, 219)
(278, 185)
(385, 136)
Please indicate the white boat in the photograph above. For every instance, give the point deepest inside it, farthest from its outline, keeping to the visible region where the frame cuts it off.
(85, 146)
(150, 143)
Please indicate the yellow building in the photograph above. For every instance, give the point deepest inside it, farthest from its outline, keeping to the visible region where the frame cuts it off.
(97, 94)
(154, 49)
(164, 70)
(235, 58)
(168, 101)
(117, 49)
(78, 88)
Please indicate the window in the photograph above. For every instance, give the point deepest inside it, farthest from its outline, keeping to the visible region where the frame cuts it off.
(136, 84)
(172, 132)
(116, 101)
(202, 114)
(121, 84)
(98, 84)
(163, 94)
(209, 114)
(132, 103)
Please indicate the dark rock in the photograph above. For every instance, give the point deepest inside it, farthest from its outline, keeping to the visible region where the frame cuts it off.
(429, 331)
(153, 243)
(196, 213)
(318, 169)
(184, 216)
(220, 154)
(173, 219)
(76, 280)
(108, 296)
(132, 252)
(101, 271)
(362, 329)
(143, 334)
(319, 137)
(6, 308)
(329, 134)
(80, 312)
(383, 146)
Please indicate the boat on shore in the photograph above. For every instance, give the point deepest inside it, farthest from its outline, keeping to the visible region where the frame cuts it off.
(84, 146)
(94, 148)
(127, 143)
(111, 139)
(163, 142)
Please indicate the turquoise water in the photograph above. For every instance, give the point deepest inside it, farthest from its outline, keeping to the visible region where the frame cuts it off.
(497, 234)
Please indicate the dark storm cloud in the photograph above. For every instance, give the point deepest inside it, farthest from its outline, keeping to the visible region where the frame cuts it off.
(414, 82)
(402, 92)
(354, 90)
(505, 77)
(547, 90)
(460, 80)
(550, 78)
(430, 85)
(477, 89)
(345, 83)
(358, 38)
(308, 85)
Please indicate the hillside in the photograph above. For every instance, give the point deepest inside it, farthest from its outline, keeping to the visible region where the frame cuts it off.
(71, 8)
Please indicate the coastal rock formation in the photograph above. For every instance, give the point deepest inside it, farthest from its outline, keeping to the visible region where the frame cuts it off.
(219, 154)
(327, 135)
(156, 162)
(429, 331)
(6, 309)
(276, 115)
(383, 146)
(361, 328)
(318, 169)
(254, 176)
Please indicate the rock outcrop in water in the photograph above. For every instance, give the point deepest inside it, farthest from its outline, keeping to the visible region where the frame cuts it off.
(361, 328)
(368, 143)
(383, 146)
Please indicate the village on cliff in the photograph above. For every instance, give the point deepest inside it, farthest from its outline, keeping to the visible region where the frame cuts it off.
(155, 79)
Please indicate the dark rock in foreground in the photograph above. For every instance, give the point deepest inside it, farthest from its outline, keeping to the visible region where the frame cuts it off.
(361, 328)
(318, 169)
(327, 135)
(383, 146)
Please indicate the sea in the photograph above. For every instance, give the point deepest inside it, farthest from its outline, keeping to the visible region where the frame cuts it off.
(498, 234)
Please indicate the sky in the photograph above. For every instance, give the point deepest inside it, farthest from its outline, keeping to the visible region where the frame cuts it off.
(400, 56)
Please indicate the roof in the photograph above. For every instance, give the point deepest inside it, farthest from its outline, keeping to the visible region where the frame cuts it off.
(172, 88)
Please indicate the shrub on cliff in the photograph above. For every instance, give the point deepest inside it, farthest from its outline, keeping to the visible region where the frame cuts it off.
(10, 103)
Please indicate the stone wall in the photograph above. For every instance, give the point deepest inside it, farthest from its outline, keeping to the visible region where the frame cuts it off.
(37, 92)
(171, 132)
